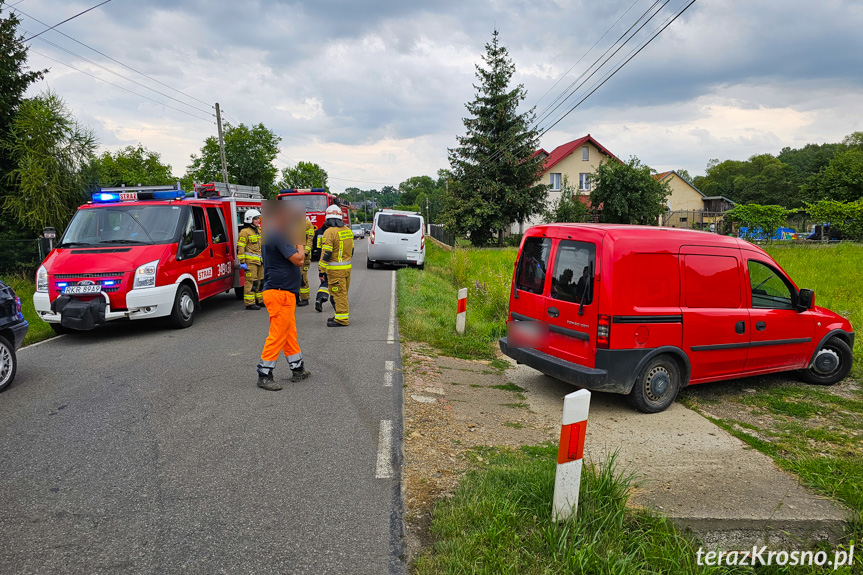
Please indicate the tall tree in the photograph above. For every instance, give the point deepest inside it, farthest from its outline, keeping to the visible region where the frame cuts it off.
(627, 193)
(15, 78)
(49, 150)
(840, 180)
(570, 207)
(131, 166)
(304, 175)
(495, 173)
(249, 151)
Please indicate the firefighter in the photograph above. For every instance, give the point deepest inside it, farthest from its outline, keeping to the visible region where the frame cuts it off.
(309, 239)
(338, 249)
(249, 252)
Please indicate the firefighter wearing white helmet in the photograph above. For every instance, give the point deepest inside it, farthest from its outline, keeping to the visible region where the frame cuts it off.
(249, 254)
(337, 251)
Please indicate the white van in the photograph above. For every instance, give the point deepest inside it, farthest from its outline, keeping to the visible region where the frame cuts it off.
(397, 238)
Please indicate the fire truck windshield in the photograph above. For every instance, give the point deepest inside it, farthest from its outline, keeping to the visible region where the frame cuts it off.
(119, 224)
(312, 202)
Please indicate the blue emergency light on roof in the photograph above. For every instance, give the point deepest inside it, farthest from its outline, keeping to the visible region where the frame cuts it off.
(102, 197)
(105, 197)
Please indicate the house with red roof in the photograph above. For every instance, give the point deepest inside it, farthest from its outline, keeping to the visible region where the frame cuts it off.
(575, 163)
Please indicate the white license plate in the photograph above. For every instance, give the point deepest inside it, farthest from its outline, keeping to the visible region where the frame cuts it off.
(413, 256)
(82, 290)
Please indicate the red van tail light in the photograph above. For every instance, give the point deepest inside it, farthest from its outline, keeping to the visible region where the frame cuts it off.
(372, 236)
(423, 241)
(603, 332)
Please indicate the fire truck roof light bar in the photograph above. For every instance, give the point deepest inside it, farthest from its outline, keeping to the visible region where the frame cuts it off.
(307, 190)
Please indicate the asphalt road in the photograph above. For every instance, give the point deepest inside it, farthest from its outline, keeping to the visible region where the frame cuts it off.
(136, 448)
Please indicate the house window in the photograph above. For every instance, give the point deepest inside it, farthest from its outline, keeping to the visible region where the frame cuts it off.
(555, 182)
(585, 153)
(584, 182)
(684, 220)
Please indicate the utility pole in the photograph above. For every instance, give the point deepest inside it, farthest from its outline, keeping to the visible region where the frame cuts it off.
(221, 143)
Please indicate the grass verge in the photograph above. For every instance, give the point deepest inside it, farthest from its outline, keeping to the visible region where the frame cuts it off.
(427, 300)
(499, 521)
(24, 288)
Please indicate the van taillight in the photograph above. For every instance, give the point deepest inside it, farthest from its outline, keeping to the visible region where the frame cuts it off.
(423, 241)
(372, 236)
(603, 332)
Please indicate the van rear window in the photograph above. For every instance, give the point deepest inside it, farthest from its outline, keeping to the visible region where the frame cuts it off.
(712, 282)
(533, 265)
(398, 224)
(573, 272)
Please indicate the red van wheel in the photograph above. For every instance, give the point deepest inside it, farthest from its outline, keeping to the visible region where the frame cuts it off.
(656, 386)
(831, 365)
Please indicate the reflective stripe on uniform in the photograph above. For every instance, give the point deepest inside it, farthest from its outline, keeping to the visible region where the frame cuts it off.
(324, 290)
(340, 316)
(339, 266)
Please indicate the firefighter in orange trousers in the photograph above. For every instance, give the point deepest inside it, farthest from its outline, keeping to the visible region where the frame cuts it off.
(283, 264)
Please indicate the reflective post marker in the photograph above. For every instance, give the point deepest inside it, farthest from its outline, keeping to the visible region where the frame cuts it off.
(461, 311)
(567, 479)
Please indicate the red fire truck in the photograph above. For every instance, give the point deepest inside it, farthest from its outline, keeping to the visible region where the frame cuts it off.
(316, 201)
(144, 252)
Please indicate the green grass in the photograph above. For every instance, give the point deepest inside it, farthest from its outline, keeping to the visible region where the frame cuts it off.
(499, 522)
(24, 288)
(427, 300)
(835, 272)
(509, 386)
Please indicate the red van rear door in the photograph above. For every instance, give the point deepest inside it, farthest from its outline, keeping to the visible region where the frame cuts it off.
(716, 322)
(570, 308)
(527, 302)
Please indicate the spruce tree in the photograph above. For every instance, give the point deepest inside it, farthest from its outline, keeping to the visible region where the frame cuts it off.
(495, 173)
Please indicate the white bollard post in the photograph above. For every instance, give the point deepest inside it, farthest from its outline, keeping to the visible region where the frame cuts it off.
(567, 479)
(461, 312)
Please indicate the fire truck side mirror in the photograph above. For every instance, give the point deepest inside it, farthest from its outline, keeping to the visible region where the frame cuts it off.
(199, 238)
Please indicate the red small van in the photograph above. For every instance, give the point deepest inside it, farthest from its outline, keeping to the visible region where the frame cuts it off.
(645, 311)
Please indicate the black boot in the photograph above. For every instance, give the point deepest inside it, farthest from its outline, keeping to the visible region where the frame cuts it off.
(303, 303)
(333, 323)
(300, 375)
(254, 306)
(267, 382)
(319, 306)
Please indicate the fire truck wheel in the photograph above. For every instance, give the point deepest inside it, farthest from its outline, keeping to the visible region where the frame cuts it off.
(238, 292)
(656, 386)
(185, 307)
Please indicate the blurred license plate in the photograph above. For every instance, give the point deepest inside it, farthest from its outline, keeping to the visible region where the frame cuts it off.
(82, 290)
(413, 256)
(527, 334)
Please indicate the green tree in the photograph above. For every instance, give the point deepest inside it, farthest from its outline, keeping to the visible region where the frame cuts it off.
(570, 207)
(302, 176)
(49, 150)
(840, 180)
(249, 153)
(15, 78)
(847, 217)
(684, 173)
(494, 170)
(413, 187)
(131, 166)
(760, 221)
(762, 179)
(627, 193)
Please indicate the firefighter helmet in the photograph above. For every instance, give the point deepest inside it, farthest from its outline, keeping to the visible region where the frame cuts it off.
(250, 216)
(334, 212)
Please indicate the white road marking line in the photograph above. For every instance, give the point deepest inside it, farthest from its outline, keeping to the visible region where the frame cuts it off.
(388, 374)
(392, 327)
(384, 468)
(38, 343)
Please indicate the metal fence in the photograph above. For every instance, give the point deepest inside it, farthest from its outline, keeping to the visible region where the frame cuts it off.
(715, 222)
(438, 232)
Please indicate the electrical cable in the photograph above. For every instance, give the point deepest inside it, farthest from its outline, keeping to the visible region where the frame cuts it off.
(64, 21)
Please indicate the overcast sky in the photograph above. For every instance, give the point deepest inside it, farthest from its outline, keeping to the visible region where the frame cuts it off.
(375, 90)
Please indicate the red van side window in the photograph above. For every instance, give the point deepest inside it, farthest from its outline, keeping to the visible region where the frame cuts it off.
(533, 265)
(712, 282)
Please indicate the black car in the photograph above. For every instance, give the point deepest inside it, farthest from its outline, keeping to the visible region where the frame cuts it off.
(13, 328)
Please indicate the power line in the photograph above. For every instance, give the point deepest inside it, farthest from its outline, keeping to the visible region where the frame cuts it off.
(112, 59)
(583, 56)
(625, 62)
(119, 86)
(76, 55)
(64, 21)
